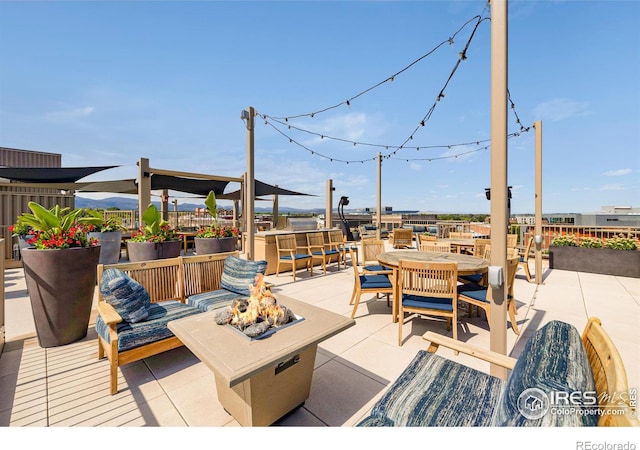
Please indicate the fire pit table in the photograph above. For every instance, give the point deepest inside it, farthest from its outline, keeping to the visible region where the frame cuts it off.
(260, 380)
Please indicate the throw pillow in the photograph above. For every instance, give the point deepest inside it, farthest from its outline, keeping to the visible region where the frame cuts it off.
(128, 297)
(239, 274)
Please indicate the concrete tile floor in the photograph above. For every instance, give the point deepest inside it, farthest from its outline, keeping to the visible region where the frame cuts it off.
(68, 386)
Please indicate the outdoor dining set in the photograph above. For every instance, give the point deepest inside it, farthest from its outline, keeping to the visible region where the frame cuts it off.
(421, 276)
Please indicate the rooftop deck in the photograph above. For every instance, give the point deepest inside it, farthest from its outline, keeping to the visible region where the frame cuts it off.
(67, 386)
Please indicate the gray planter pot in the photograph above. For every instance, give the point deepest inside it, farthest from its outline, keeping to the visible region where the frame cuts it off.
(206, 246)
(606, 261)
(110, 245)
(61, 284)
(149, 251)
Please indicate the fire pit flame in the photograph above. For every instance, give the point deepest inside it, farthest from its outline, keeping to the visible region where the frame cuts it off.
(257, 314)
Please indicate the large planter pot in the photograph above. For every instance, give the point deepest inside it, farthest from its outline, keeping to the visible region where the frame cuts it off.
(148, 251)
(606, 261)
(22, 242)
(110, 245)
(61, 284)
(206, 246)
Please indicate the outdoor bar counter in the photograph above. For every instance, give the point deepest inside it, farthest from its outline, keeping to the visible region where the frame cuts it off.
(264, 247)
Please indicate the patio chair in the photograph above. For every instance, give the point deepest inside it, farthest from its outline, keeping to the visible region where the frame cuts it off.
(524, 259)
(435, 246)
(479, 245)
(289, 254)
(401, 237)
(371, 248)
(369, 283)
(428, 289)
(512, 240)
(479, 296)
(423, 237)
(337, 241)
(319, 249)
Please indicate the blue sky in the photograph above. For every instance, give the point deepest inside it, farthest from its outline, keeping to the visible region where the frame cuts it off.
(109, 82)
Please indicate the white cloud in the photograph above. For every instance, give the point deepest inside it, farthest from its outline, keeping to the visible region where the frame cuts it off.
(617, 173)
(415, 166)
(67, 115)
(560, 109)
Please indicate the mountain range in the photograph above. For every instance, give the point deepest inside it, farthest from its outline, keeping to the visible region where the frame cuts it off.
(126, 204)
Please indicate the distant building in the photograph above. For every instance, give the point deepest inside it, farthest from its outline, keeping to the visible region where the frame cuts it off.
(609, 216)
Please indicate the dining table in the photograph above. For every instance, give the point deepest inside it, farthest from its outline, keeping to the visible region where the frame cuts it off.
(467, 265)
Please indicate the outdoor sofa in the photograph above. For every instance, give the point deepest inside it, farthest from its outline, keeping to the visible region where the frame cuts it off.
(136, 301)
(436, 391)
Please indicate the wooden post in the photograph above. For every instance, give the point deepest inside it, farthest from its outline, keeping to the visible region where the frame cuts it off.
(538, 225)
(249, 210)
(144, 187)
(499, 216)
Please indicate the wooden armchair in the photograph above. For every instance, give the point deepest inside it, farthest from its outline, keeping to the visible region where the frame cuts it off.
(289, 254)
(524, 259)
(401, 237)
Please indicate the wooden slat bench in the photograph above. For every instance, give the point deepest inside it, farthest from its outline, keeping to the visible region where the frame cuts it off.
(177, 287)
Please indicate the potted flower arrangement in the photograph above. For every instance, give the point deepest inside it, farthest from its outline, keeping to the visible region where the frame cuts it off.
(23, 233)
(156, 239)
(60, 273)
(215, 238)
(108, 233)
(618, 255)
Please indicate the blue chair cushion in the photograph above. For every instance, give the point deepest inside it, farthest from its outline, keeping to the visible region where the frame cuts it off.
(132, 335)
(238, 274)
(207, 301)
(473, 291)
(374, 282)
(417, 301)
(475, 278)
(554, 359)
(435, 391)
(296, 256)
(128, 297)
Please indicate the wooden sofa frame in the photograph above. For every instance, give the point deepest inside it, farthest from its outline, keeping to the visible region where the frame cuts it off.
(164, 279)
(606, 364)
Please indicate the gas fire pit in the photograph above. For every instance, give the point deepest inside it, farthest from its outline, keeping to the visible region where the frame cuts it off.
(258, 316)
(259, 381)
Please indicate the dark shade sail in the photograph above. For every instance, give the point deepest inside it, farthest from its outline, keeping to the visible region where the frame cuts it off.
(261, 189)
(190, 185)
(49, 174)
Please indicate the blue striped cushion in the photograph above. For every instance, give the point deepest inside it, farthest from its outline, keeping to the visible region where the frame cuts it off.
(132, 335)
(128, 297)
(239, 274)
(554, 359)
(434, 391)
(416, 301)
(207, 301)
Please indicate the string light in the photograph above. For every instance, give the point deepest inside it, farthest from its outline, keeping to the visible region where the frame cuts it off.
(270, 120)
(347, 102)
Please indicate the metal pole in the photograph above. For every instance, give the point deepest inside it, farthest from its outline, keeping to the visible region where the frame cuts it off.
(498, 325)
(250, 186)
(328, 209)
(538, 224)
(379, 202)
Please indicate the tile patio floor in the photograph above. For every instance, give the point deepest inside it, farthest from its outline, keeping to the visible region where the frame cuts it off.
(67, 386)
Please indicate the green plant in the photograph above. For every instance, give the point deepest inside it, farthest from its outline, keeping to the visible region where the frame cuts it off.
(215, 230)
(55, 228)
(622, 243)
(591, 242)
(95, 221)
(155, 228)
(20, 229)
(564, 241)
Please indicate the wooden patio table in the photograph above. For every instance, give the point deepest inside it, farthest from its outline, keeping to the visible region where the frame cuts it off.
(467, 265)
